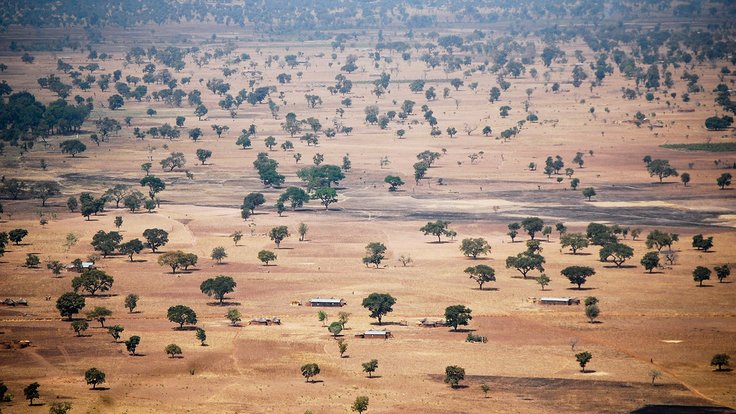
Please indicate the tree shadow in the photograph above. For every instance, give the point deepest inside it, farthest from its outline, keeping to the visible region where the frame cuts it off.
(493, 289)
(374, 377)
(384, 323)
(284, 248)
(138, 355)
(459, 386)
(315, 381)
(723, 370)
(578, 254)
(99, 389)
(138, 261)
(224, 303)
(619, 267)
(581, 288)
(705, 286)
(184, 328)
(462, 330)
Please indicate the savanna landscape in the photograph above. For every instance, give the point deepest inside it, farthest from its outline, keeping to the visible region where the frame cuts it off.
(409, 206)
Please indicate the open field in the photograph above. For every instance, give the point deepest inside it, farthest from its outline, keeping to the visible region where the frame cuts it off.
(660, 321)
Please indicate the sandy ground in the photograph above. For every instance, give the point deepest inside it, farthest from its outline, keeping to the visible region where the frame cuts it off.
(660, 321)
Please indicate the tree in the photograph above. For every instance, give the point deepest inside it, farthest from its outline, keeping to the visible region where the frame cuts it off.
(513, 230)
(583, 358)
(155, 185)
(106, 243)
(31, 392)
(92, 281)
(60, 407)
(200, 111)
(118, 222)
(302, 230)
(322, 317)
(278, 234)
(685, 178)
(69, 303)
(94, 376)
(17, 235)
(132, 344)
(394, 182)
(270, 142)
(574, 183)
(453, 375)
(532, 225)
(266, 256)
(201, 336)
(701, 274)
(173, 350)
(436, 228)
(131, 302)
(131, 247)
(722, 272)
(310, 371)
(335, 328)
(55, 266)
(374, 254)
(456, 315)
(617, 253)
(182, 315)
(115, 332)
(481, 274)
(100, 314)
(156, 238)
(724, 180)
(233, 315)
(218, 253)
(32, 260)
(577, 275)
(650, 261)
(237, 236)
(44, 190)
(543, 280)
(342, 347)
(174, 160)
(525, 262)
(659, 239)
(79, 327)
(662, 169)
(715, 123)
(589, 192)
(702, 243)
(474, 247)
(575, 241)
(253, 200)
(72, 147)
(370, 367)
(360, 404)
(203, 155)
(218, 287)
(719, 361)
(379, 304)
(592, 311)
(296, 197)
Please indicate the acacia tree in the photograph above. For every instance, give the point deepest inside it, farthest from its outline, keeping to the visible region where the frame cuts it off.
(218, 287)
(577, 275)
(278, 234)
(437, 228)
(575, 241)
(310, 371)
(370, 367)
(131, 302)
(453, 375)
(650, 261)
(457, 315)
(532, 225)
(481, 274)
(93, 281)
(701, 274)
(617, 253)
(473, 247)
(182, 315)
(374, 254)
(379, 304)
(583, 358)
(69, 304)
(662, 169)
(155, 238)
(94, 377)
(525, 262)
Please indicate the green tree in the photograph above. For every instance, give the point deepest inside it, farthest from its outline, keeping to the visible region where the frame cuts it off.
(218, 287)
(722, 272)
(32, 260)
(182, 315)
(525, 262)
(278, 234)
(589, 192)
(453, 375)
(296, 197)
(659, 239)
(473, 247)
(270, 142)
(115, 332)
(237, 236)
(302, 230)
(370, 367)
(233, 315)
(394, 182)
(253, 200)
(701, 274)
(100, 314)
(375, 253)
(201, 336)
(94, 377)
(132, 344)
(60, 407)
(155, 238)
(719, 361)
(326, 195)
(31, 392)
(360, 404)
(437, 228)
(218, 253)
(335, 328)
(592, 311)
(457, 315)
(106, 243)
(379, 304)
(583, 358)
(203, 155)
(543, 280)
(155, 185)
(650, 261)
(685, 178)
(131, 247)
(310, 371)
(131, 302)
(72, 147)
(577, 275)
(93, 281)
(173, 350)
(724, 180)
(342, 347)
(575, 241)
(79, 327)
(55, 266)
(661, 169)
(617, 253)
(513, 230)
(532, 225)
(266, 256)
(481, 274)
